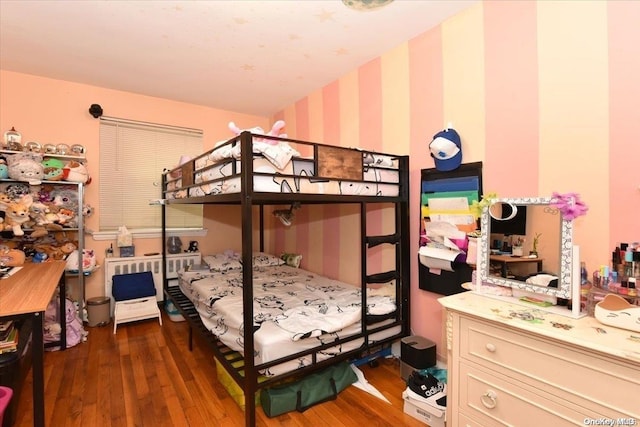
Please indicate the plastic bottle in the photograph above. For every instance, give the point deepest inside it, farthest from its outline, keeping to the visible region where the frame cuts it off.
(585, 286)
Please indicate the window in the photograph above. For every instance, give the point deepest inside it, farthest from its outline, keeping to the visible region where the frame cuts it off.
(132, 158)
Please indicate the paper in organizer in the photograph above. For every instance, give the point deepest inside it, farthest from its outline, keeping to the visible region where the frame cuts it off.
(446, 245)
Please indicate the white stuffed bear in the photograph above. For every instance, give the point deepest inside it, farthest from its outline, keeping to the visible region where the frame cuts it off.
(26, 167)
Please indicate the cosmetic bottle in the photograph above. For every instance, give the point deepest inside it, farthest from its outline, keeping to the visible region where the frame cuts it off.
(616, 261)
(628, 263)
(584, 275)
(633, 292)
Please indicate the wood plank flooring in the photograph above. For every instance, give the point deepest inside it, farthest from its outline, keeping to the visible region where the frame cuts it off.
(145, 375)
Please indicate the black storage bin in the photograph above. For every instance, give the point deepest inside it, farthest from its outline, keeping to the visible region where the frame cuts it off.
(14, 368)
(418, 352)
(447, 282)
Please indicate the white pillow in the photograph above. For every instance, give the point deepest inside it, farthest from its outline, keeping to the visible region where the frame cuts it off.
(262, 259)
(221, 262)
(279, 155)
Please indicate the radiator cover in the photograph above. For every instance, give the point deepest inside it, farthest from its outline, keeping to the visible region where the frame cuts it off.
(152, 263)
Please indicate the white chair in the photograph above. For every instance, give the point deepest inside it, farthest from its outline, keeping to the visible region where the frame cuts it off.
(135, 298)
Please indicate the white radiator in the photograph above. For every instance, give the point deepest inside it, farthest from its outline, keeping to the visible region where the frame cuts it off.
(152, 263)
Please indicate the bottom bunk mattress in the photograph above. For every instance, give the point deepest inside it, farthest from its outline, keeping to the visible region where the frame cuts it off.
(294, 310)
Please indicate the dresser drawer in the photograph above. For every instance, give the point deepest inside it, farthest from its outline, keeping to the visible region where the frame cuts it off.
(563, 371)
(464, 421)
(496, 401)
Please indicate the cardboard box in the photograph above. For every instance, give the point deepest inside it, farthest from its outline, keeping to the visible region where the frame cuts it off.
(234, 389)
(424, 412)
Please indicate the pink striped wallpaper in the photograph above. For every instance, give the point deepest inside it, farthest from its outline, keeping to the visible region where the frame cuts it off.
(547, 103)
(624, 118)
(511, 100)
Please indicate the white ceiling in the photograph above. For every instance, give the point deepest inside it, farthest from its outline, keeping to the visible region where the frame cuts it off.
(254, 57)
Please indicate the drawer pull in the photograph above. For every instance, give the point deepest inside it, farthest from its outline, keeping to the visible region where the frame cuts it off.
(489, 399)
(490, 347)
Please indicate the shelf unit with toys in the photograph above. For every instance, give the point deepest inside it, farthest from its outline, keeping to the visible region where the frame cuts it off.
(50, 214)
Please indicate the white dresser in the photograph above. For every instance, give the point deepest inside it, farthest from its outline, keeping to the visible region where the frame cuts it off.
(510, 364)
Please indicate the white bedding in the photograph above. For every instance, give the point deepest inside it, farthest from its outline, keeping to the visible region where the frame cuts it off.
(279, 153)
(294, 310)
(283, 171)
(220, 179)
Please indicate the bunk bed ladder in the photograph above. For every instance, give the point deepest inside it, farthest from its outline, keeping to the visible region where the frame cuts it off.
(401, 270)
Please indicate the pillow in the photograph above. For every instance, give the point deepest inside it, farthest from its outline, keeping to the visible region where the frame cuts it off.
(221, 262)
(262, 259)
(292, 260)
(279, 155)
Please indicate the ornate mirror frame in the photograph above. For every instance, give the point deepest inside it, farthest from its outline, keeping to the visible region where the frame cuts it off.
(566, 251)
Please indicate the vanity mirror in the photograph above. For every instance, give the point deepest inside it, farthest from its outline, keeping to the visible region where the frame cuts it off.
(510, 260)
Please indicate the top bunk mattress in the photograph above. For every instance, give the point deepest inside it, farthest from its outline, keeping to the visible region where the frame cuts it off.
(281, 168)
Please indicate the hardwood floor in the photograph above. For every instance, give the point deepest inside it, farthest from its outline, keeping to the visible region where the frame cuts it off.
(146, 376)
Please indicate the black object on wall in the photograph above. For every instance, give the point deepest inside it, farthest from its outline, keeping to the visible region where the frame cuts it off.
(466, 181)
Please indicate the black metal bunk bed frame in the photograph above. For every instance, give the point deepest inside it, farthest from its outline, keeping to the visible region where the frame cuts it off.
(242, 368)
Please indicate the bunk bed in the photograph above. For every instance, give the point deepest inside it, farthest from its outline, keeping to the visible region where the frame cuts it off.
(254, 170)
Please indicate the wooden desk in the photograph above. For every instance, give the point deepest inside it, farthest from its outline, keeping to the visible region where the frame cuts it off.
(505, 260)
(27, 294)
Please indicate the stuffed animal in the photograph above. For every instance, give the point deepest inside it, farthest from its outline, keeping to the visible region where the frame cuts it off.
(88, 260)
(76, 172)
(12, 257)
(87, 210)
(53, 174)
(38, 214)
(4, 169)
(57, 251)
(26, 167)
(52, 217)
(53, 169)
(52, 162)
(5, 199)
(17, 213)
(237, 131)
(64, 198)
(65, 215)
(275, 131)
(276, 128)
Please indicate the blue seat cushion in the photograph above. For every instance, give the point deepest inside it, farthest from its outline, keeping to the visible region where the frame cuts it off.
(134, 285)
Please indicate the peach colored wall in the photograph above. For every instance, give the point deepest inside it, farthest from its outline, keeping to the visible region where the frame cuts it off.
(55, 111)
(547, 104)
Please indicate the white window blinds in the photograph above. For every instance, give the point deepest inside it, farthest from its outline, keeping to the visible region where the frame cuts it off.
(132, 158)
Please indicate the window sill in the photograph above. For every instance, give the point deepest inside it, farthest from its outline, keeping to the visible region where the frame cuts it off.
(149, 233)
